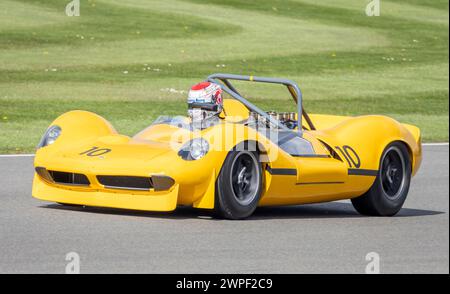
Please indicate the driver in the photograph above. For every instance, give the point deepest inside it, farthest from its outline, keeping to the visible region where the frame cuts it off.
(205, 104)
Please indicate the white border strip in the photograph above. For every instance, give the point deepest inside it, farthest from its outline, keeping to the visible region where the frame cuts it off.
(32, 155)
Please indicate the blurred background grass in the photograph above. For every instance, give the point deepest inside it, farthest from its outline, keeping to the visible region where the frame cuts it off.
(133, 60)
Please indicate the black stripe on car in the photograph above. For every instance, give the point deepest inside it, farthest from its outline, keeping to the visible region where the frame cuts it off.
(282, 171)
(362, 172)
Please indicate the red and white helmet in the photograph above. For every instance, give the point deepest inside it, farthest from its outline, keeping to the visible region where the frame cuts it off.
(206, 96)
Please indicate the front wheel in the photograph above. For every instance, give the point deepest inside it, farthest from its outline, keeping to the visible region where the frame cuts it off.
(239, 185)
(389, 191)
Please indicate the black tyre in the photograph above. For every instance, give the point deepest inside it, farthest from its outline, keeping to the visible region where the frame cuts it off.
(389, 191)
(239, 185)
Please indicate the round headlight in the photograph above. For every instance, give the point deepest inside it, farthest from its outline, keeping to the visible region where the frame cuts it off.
(194, 149)
(199, 148)
(50, 136)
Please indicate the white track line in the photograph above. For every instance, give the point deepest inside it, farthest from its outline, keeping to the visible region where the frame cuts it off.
(434, 144)
(16, 155)
(31, 155)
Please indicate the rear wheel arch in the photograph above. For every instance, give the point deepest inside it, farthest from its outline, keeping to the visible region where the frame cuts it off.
(401, 142)
(410, 153)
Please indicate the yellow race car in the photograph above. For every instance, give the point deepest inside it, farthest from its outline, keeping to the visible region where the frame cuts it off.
(247, 158)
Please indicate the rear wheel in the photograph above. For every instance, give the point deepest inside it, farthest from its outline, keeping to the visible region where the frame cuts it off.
(239, 185)
(389, 191)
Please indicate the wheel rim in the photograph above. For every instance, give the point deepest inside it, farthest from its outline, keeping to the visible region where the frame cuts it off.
(393, 172)
(244, 178)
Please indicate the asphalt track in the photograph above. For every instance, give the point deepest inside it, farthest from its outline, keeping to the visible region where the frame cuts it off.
(323, 238)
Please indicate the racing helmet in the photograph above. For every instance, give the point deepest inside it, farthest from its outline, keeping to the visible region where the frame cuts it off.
(204, 100)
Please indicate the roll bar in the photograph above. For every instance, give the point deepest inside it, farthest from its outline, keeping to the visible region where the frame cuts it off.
(293, 88)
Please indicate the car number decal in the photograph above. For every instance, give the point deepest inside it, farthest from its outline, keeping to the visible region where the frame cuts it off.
(350, 156)
(96, 151)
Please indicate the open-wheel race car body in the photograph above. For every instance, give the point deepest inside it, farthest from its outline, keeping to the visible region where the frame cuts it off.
(247, 158)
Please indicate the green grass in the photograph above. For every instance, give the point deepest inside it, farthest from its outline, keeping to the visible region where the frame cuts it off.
(120, 56)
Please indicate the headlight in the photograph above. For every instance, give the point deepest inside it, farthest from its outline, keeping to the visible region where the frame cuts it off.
(50, 136)
(194, 149)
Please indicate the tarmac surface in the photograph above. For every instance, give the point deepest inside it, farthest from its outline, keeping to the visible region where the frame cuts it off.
(36, 236)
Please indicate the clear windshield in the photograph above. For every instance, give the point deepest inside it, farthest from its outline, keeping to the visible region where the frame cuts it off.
(186, 123)
(177, 121)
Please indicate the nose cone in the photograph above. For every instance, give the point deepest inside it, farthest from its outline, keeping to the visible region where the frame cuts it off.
(116, 155)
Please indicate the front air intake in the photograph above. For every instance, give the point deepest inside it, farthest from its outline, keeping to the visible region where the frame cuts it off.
(69, 178)
(126, 182)
(62, 178)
